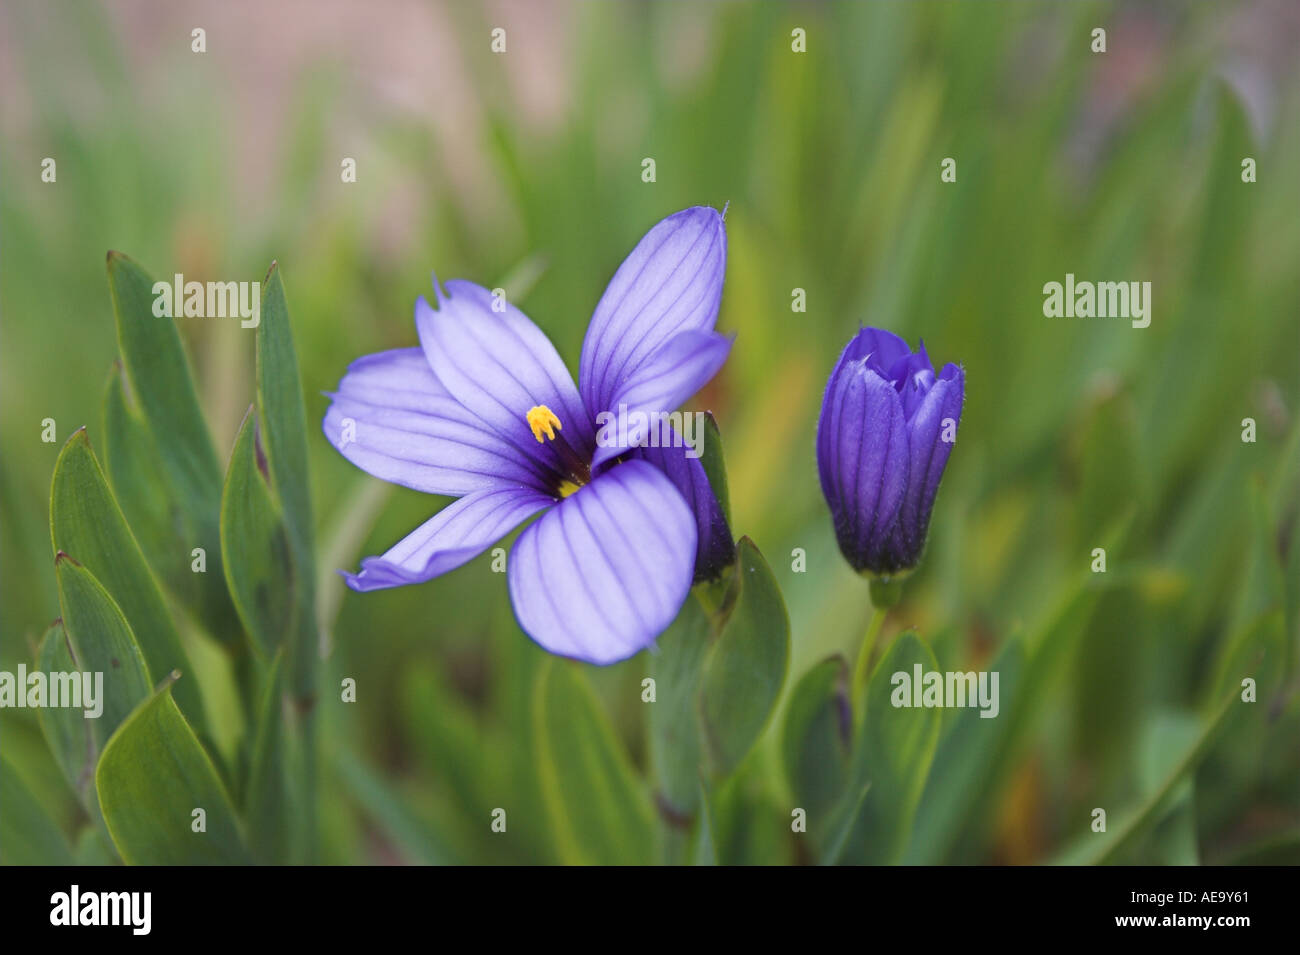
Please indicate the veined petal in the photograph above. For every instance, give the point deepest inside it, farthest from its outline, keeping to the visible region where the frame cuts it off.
(675, 372)
(928, 456)
(606, 571)
(881, 348)
(715, 547)
(499, 365)
(862, 458)
(392, 418)
(671, 283)
(458, 533)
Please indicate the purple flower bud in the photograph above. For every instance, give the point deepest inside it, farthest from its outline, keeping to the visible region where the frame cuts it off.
(886, 429)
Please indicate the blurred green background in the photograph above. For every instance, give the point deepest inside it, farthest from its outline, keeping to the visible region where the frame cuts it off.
(524, 169)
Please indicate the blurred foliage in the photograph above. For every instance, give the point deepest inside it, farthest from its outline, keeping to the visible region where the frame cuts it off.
(1077, 433)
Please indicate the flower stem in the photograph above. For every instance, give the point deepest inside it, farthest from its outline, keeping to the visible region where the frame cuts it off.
(884, 594)
(861, 669)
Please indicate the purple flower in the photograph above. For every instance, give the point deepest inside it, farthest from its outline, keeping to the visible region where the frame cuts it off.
(886, 429)
(485, 410)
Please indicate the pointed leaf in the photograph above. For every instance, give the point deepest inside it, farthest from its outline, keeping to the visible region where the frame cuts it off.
(817, 741)
(131, 466)
(599, 811)
(255, 545)
(283, 421)
(152, 776)
(267, 798)
(103, 643)
(746, 666)
(28, 836)
(894, 750)
(968, 752)
(674, 716)
(67, 731)
(86, 522)
(159, 391)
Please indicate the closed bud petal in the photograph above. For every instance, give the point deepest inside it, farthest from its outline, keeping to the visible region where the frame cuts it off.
(887, 427)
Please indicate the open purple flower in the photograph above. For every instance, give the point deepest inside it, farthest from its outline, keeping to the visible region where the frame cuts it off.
(486, 411)
(886, 429)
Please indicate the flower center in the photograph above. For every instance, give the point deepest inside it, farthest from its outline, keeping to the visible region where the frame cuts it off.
(544, 423)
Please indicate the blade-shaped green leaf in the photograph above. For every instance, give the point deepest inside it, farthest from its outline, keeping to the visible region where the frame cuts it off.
(968, 752)
(28, 836)
(255, 545)
(159, 390)
(893, 754)
(746, 667)
(160, 376)
(1159, 796)
(131, 465)
(599, 810)
(283, 421)
(705, 851)
(86, 522)
(103, 643)
(67, 731)
(266, 801)
(674, 716)
(153, 775)
(817, 741)
(391, 813)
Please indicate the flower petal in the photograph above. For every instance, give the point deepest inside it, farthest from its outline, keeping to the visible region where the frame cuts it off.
(499, 365)
(458, 533)
(715, 547)
(606, 571)
(862, 458)
(882, 349)
(928, 456)
(671, 283)
(392, 418)
(678, 370)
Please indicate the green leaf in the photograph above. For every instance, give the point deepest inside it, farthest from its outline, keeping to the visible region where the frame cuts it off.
(817, 741)
(131, 466)
(93, 846)
(86, 522)
(27, 835)
(160, 376)
(599, 811)
(255, 545)
(266, 800)
(67, 731)
(715, 466)
(961, 779)
(152, 775)
(706, 850)
(389, 811)
(283, 421)
(1109, 474)
(1172, 839)
(674, 716)
(893, 754)
(176, 437)
(746, 667)
(1101, 848)
(102, 642)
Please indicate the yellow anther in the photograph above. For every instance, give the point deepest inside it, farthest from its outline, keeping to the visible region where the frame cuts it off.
(543, 421)
(567, 488)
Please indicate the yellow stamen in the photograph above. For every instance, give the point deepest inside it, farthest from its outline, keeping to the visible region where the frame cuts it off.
(543, 421)
(567, 488)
